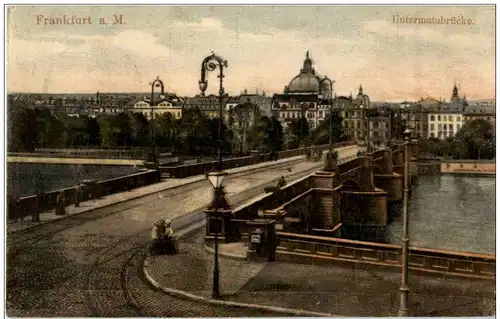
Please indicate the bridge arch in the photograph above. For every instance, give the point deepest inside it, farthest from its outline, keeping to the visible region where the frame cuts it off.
(350, 185)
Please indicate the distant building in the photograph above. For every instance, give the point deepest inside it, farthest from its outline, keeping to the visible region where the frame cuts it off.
(261, 100)
(486, 112)
(444, 119)
(308, 94)
(168, 104)
(208, 105)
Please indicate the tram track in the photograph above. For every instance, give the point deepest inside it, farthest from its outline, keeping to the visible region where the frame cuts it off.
(182, 223)
(70, 221)
(108, 279)
(138, 201)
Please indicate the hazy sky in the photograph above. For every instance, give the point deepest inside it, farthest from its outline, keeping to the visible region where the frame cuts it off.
(264, 46)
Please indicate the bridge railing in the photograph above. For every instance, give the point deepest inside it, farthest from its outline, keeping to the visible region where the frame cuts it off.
(307, 248)
(182, 171)
(30, 205)
(126, 153)
(140, 157)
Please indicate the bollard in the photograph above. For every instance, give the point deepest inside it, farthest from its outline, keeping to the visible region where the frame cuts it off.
(35, 217)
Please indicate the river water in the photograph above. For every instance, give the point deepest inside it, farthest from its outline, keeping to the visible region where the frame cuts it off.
(450, 212)
(30, 179)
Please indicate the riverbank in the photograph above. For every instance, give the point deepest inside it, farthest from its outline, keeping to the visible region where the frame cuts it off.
(432, 166)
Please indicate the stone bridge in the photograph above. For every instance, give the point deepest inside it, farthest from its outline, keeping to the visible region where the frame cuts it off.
(355, 194)
(324, 206)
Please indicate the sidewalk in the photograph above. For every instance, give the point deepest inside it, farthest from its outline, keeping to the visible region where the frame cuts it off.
(48, 216)
(189, 275)
(319, 289)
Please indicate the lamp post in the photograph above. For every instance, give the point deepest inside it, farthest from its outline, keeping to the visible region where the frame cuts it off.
(302, 118)
(156, 83)
(404, 289)
(273, 128)
(216, 177)
(329, 164)
(366, 127)
(210, 63)
(218, 202)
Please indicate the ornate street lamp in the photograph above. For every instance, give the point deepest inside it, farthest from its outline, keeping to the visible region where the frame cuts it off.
(329, 158)
(210, 63)
(217, 176)
(366, 126)
(404, 289)
(157, 83)
(273, 128)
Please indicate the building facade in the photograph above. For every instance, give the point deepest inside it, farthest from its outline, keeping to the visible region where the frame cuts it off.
(170, 104)
(208, 105)
(308, 95)
(485, 112)
(444, 120)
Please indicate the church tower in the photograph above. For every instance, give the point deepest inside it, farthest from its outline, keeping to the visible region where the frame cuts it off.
(455, 99)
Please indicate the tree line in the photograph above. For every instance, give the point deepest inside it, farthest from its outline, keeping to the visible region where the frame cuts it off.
(246, 129)
(474, 140)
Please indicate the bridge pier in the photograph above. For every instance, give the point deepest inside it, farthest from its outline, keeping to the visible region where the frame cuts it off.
(356, 194)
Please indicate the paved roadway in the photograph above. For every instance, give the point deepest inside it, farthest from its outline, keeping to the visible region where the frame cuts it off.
(89, 264)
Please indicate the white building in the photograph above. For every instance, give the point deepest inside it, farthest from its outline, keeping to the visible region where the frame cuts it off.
(446, 119)
(444, 124)
(172, 106)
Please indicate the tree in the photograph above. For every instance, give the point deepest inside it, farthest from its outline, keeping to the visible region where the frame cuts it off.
(269, 134)
(115, 130)
(213, 137)
(51, 130)
(299, 131)
(475, 140)
(74, 131)
(22, 130)
(275, 135)
(140, 130)
(93, 132)
(193, 133)
(321, 135)
(241, 118)
(167, 129)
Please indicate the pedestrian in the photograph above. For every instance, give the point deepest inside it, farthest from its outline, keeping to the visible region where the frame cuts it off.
(60, 204)
(281, 182)
(78, 195)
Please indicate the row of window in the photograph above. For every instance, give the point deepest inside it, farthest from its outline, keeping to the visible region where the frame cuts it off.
(375, 134)
(296, 115)
(357, 124)
(444, 127)
(176, 114)
(488, 118)
(295, 105)
(449, 118)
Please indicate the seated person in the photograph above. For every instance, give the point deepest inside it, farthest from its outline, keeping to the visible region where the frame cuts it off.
(156, 233)
(169, 231)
